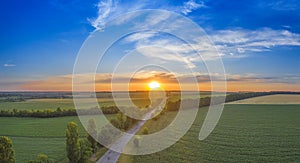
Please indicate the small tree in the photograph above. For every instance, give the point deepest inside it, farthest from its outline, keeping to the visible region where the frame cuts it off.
(41, 158)
(115, 123)
(92, 134)
(72, 144)
(6, 151)
(85, 150)
(145, 131)
(121, 118)
(58, 109)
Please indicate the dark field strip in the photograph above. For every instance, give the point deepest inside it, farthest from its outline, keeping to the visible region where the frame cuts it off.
(43, 137)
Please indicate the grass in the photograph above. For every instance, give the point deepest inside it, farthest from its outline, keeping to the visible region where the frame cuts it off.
(32, 136)
(245, 133)
(28, 148)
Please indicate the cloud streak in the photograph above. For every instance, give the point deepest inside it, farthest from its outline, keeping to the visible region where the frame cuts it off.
(110, 9)
(235, 42)
(105, 8)
(232, 43)
(191, 5)
(282, 5)
(9, 65)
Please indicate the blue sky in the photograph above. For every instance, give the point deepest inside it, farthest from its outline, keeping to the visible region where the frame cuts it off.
(259, 40)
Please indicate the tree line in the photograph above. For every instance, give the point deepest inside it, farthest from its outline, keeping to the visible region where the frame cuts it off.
(48, 113)
(23, 96)
(206, 101)
(80, 150)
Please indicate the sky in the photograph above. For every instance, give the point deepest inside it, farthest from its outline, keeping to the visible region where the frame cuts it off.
(258, 41)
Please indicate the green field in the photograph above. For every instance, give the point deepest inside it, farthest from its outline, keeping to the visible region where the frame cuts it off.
(245, 133)
(32, 136)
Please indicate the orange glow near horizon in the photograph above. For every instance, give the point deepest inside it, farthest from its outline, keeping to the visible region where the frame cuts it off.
(64, 83)
(231, 87)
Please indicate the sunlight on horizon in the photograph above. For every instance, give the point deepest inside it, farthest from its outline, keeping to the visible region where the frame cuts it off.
(154, 85)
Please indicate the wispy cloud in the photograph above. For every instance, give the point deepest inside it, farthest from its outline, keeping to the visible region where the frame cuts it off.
(138, 36)
(234, 42)
(105, 8)
(9, 65)
(110, 9)
(231, 43)
(165, 54)
(191, 5)
(282, 5)
(170, 51)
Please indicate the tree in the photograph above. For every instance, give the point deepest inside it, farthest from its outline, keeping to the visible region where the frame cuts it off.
(6, 150)
(85, 150)
(122, 120)
(41, 158)
(92, 134)
(58, 109)
(145, 131)
(72, 144)
(115, 123)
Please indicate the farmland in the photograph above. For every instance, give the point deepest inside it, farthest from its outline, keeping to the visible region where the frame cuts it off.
(52, 104)
(255, 133)
(32, 136)
(248, 131)
(271, 99)
(38, 104)
(104, 99)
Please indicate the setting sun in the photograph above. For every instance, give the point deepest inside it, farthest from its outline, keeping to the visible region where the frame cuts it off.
(154, 85)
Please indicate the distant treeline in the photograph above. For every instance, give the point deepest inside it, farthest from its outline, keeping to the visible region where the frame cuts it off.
(170, 106)
(12, 99)
(23, 96)
(284, 92)
(58, 112)
(206, 101)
